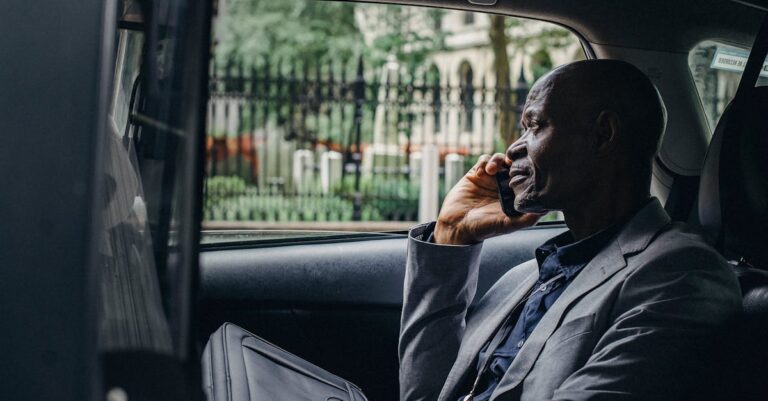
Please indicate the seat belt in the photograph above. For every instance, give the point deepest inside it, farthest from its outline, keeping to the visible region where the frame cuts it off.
(681, 200)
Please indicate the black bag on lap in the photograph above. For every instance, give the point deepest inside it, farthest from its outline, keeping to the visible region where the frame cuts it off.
(239, 366)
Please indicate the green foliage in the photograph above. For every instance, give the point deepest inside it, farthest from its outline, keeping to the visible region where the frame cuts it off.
(395, 198)
(410, 46)
(540, 42)
(550, 37)
(541, 63)
(231, 198)
(252, 30)
(551, 217)
(383, 199)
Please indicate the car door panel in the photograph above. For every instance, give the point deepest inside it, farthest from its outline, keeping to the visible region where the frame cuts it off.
(335, 304)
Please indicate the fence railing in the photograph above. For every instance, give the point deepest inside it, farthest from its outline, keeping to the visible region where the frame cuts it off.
(325, 141)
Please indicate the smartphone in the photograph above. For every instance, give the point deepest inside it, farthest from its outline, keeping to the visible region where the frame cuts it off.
(506, 195)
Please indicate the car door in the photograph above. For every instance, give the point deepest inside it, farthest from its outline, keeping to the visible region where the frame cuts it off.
(334, 302)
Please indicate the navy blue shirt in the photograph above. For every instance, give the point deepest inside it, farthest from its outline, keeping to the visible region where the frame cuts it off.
(558, 256)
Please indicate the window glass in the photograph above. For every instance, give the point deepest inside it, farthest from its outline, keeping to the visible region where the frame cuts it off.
(146, 155)
(716, 69)
(131, 314)
(360, 117)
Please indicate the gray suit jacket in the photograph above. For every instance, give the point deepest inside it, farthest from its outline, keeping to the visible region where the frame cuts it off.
(636, 323)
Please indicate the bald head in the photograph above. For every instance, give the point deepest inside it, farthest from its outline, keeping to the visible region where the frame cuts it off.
(591, 129)
(577, 93)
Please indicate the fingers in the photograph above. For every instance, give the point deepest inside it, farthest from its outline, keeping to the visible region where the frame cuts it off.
(479, 168)
(497, 162)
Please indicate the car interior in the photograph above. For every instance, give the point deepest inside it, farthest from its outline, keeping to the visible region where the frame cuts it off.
(332, 300)
(337, 303)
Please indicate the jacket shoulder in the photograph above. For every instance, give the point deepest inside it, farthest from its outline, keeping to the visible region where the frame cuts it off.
(682, 241)
(681, 250)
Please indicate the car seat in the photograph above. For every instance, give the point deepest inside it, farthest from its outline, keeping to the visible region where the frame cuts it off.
(733, 211)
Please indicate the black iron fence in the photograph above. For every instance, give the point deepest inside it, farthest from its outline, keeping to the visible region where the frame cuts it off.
(332, 141)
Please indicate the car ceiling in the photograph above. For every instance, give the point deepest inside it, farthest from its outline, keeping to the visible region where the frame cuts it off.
(661, 25)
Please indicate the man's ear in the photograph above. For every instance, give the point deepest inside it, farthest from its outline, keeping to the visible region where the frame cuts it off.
(607, 126)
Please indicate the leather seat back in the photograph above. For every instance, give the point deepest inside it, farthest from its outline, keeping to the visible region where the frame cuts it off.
(733, 210)
(733, 196)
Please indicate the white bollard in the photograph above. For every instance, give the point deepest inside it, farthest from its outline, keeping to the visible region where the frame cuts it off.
(414, 165)
(330, 171)
(303, 166)
(233, 118)
(454, 170)
(220, 121)
(284, 174)
(428, 197)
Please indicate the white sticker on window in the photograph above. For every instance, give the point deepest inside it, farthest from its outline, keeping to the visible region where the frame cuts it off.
(733, 60)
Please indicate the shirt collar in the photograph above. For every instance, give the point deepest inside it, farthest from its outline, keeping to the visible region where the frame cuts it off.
(573, 255)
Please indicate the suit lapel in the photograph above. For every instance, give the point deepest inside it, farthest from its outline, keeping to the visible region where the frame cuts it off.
(606, 264)
(633, 238)
(487, 320)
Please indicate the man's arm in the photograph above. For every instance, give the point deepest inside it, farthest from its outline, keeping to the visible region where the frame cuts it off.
(660, 345)
(440, 283)
(440, 280)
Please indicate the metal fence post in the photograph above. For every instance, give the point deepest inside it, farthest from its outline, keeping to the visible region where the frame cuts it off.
(359, 93)
(240, 81)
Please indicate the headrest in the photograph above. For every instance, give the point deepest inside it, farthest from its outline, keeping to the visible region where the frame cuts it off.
(733, 194)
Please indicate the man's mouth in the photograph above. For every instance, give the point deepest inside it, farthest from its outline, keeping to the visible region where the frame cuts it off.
(516, 179)
(518, 175)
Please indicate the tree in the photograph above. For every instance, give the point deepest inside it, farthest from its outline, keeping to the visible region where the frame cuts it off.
(307, 30)
(499, 42)
(250, 31)
(524, 40)
(403, 32)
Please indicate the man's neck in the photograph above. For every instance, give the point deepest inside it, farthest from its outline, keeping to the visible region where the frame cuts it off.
(592, 218)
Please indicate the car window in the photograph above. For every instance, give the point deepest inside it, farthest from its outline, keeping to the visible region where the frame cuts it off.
(132, 315)
(146, 157)
(360, 117)
(716, 68)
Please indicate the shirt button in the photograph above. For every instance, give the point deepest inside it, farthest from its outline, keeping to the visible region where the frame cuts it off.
(520, 343)
(543, 288)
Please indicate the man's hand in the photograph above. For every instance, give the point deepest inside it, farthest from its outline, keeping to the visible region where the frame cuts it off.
(471, 211)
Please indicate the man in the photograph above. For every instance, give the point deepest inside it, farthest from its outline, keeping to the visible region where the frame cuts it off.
(622, 306)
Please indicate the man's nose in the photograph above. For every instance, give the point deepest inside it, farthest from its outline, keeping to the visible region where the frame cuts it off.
(517, 150)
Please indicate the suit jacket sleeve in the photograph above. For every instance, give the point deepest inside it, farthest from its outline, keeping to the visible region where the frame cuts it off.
(661, 337)
(440, 282)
